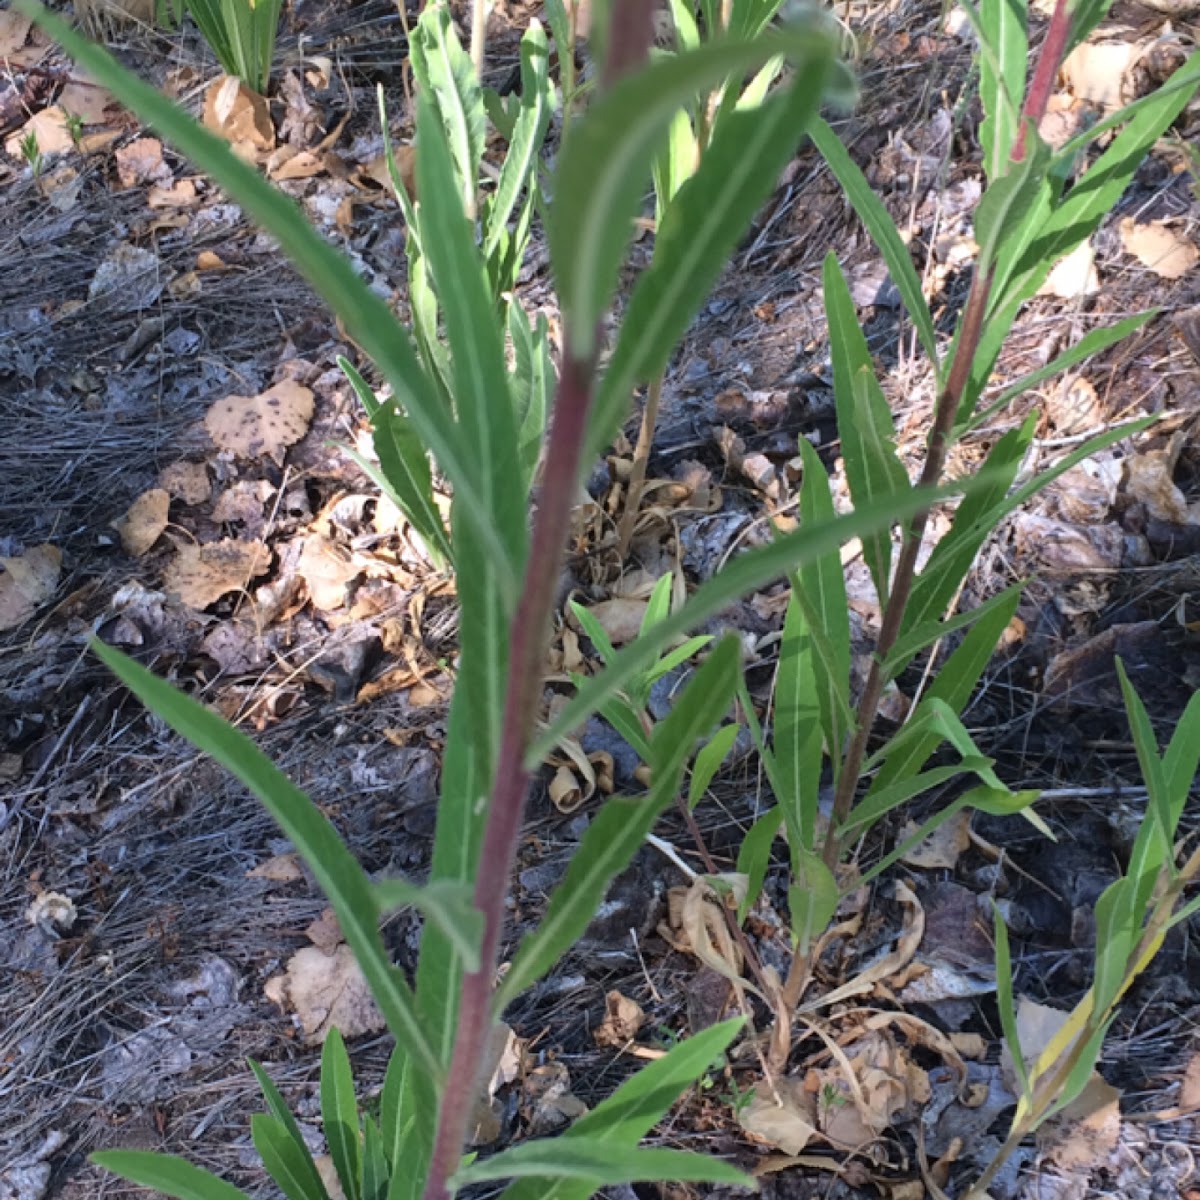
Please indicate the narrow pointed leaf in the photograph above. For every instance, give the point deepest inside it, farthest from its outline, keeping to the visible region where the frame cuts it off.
(375, 1171)
(339, 1113)
(336, 870)
(305, 1167)
(1002, 80)
(167, 1174)
(287, 1164)
(448, 903)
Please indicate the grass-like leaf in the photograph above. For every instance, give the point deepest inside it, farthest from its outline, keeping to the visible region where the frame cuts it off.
(165, 1173)
(1002, 80)
(591, 222)
(339, 1114)
(286, 1163)
(600, 1164)
(337, 871)
(303, 1167)
(1004, 999)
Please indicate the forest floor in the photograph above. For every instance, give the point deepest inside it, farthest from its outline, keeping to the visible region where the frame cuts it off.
(149, 908)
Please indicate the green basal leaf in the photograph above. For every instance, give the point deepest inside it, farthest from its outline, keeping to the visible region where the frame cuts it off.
(445, 75)
(864, 420)
(1146, 745)
(1004, 1001)
(687, 32)
(304, 1167)
(286, 1163)
(709, 761)
(658, 607)
(796, 736)
(700, 230)
(883, 232)
(591, 221)
(336, 870)
(754, 856)
(448, 903)
(594, 631)
(167, 1174)
(600, 1164)
(375, 1171)
(624, 718)
(1002, 80)
(339, 1114)
(395, 1122)
(1119, 919)
(813, 898)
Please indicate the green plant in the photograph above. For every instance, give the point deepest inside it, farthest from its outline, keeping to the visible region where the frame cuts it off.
(74, 126)
(241, 34)
(1133, 917)
(461, 403)
(31, 152)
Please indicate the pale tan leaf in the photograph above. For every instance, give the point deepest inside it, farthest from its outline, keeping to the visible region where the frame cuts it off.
(265, 424)
(241, 116)
(1073, 276)
(941, 849)
(181, 194)
(784, 1116)
(145, 521)
(1166, 251)
(327, 570)
(86, 100)
(279, 868)
(141, 161)
(620, 619)
(14, 31)
(186, 481)
(1096, 71)
(28, 581)
(49, 128)
(201, 575)
(565, 791)
(1084, 1135)
(1189, 1086)
(1149, 478)
(324, 991)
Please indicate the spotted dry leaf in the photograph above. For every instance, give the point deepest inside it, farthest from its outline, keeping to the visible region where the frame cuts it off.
(27, 582)
(201, 575)
(145, 521)
(186, 481)
(249, 426)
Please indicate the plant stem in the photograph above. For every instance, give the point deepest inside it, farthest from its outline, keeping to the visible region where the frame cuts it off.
(1050, 58)
(478, 36)
(641, 456)
(906, 567)
(527, 660)
(526, 668)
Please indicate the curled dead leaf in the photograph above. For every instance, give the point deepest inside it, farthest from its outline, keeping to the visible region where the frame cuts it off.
(784, 1116)
(241, 116)
(327, 570)
(265, 424)
(145, 521)
(623, 1018)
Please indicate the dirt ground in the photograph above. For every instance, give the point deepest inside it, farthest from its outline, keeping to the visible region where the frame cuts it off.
(129, 1023)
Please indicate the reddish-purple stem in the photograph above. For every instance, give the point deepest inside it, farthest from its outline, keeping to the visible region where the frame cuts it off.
(1050, 58)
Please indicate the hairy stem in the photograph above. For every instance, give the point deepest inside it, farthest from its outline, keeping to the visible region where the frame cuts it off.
(1053, 50)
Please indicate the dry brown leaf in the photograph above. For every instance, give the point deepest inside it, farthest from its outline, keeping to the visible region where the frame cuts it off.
(1189, 1085)
(623, 1018)
(145, 521)
(141, 161)
(1167, 252)
(207, 260)
(1096, 71)
(1084, 1135)
(326, 991)
(181, 194)
(1036, 1026)
(969, 1045)
(566, 792)
(900, 957)
(50, 129)
(52, 911)
(28, 581)
(201, 575)
(241, 116)
(289, 163)
(186, 481)
(941, 849)
(14, 32)
(265, 424)
(279, 868)
(784, 1117)
(327, 570)
(621, 619)
(1073, 276)
(546, 1099)
(86, 100)
(1150, 479)
(325, 933)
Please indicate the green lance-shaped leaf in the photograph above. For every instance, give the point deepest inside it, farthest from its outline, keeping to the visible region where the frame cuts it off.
(709, 761)
(339, 1114)
(620, 827)
(700, 230)
(1004, 1000)
(747, 572)
(812, 899)
(600, 1164)
(873, 469)
(304, 1168)
(444, 72)
(375, 1170)
(165, 1173)
(1002, 80)
(337, 871)
(286, 1163)
(395, 1121)
(626, 1116)
(403, 473)
(754, 856)
(606, 162)
(883, 232)
(367, 318)
(448, 903)
(1011, 199)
